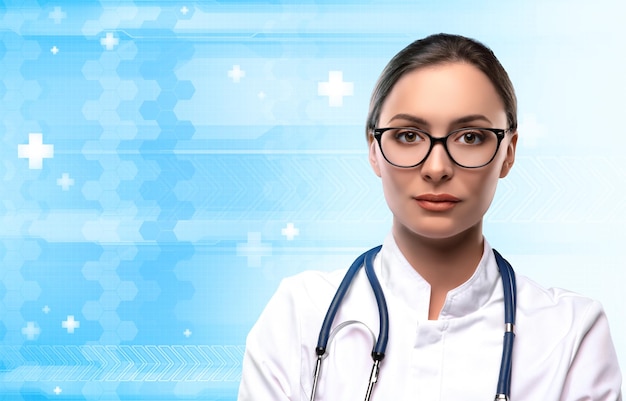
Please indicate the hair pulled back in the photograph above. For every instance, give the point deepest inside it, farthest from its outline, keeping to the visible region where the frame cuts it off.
(439, 49)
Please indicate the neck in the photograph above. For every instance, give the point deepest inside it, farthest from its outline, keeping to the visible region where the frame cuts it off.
(445, 263)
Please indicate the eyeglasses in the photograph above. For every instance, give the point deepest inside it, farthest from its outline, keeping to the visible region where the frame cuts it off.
(408, 147)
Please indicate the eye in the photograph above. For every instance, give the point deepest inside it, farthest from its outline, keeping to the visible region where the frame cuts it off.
(408, 136)
(470, 137)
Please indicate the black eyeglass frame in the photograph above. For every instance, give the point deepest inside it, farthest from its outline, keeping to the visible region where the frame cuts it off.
(500, 134)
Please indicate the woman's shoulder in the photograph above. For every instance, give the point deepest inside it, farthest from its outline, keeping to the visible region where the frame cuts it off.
(314, 277)
(554, 304)
(311, 285)
(545, 296)
(298, 298)
(558, 329)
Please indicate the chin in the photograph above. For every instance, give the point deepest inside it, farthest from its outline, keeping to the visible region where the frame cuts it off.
(440, 229)
(437, 234)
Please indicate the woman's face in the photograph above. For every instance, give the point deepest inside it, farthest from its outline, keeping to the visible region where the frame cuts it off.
(439, 199)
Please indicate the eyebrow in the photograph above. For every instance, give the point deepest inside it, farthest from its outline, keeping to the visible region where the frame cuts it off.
(421, 121)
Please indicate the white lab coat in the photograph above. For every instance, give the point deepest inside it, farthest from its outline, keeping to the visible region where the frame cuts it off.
(563, 349)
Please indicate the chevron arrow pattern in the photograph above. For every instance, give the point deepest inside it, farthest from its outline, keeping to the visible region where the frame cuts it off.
(123, 363)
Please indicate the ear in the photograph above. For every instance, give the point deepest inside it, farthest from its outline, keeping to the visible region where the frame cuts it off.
(373, 156)
(509, 160)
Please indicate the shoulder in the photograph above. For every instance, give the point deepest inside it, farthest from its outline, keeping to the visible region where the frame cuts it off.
(557, 314)
(313, 279)
(299, 300)
(566, 337)
(305, 292)
(532, 295)
(310, 288)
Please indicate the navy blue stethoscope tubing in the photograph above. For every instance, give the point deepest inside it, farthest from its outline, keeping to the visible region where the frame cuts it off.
(509, 286)
(367, 260)
(378, 352)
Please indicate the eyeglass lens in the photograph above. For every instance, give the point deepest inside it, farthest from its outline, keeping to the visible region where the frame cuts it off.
(469, 147)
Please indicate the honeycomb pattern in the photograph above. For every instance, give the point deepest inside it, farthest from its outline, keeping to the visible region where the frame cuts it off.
(202, 151)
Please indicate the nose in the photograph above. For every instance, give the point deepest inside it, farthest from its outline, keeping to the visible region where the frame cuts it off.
(438, 167)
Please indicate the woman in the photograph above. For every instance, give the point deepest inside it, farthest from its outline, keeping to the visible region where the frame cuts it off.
(442, 130)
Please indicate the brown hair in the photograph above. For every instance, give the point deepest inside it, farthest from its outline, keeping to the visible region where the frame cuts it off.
(438, 49)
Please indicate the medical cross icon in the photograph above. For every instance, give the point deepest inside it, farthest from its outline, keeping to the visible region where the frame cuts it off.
(54, 50)
(65, 181)
(236, 73)
(31, 331)
(57, 390)
(70, 324)
(57, 15)
(35, 151)
(109, 41)
(254, 249)
(290, 231)
(335, 88)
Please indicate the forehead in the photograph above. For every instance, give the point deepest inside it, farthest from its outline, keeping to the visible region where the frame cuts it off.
(442, 93)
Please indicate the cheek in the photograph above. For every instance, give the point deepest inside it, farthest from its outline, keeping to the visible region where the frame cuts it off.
(483, 188)
(485, 183)
(396, 183)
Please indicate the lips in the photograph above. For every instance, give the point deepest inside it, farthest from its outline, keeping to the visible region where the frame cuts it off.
(437, 202)
(438, 198)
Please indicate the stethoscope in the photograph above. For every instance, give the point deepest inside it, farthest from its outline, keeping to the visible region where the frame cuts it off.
(378, 352)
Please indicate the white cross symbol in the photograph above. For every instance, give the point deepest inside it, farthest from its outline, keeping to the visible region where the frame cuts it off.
(290, 231)
(187, 333)
(57, 390)
(184, 10)
(335, 88)
(35, 151)
(109, 41)
(57, 15)
(236, 73)
(254, 249)
(262, 95)
(70, 324)
(54, 50)
(65, 181)
(31, 331)
(45, 309)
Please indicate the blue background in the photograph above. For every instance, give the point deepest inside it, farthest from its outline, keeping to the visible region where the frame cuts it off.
(177, 189)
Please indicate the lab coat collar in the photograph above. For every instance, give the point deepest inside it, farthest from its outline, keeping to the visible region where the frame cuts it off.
(403, 282)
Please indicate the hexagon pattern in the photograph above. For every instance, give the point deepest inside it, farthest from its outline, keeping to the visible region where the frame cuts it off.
(165, 164)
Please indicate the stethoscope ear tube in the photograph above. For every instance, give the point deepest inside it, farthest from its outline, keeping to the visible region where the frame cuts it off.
(510, 303)
(322, 341)
(378, 353)
(379, 349)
